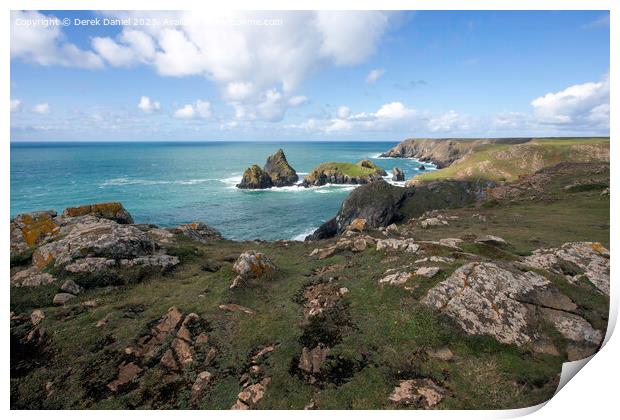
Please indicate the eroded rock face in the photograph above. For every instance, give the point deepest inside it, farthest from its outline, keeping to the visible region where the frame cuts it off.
(251, 265)
(112, 211)
(255, 178)
(280, 172)
(574, 260)
(377, 202)
(486, 299)
(398, 175)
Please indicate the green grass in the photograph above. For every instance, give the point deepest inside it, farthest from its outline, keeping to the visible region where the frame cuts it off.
(502, 162)
(350, 169)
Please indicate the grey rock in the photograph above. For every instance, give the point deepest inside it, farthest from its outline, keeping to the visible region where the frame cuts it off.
(71, 287)
(62, 298)
(398, 175)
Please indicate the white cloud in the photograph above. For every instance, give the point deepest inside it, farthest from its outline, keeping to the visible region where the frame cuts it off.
(44, 44)
(199, 109)
(16, 105)
(42, 108)
(394, 110)
(450, 121)
(147, 106)
(296, 101)
(343, 112)
(250, 64)
(576, 107)
(374, 75)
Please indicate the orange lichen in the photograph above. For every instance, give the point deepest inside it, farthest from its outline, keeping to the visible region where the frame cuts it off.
(599, 248)
(103, 209)
(34, 229)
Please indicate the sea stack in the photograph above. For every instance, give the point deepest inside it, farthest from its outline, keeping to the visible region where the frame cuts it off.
(398, 174)
(276, 173)
(361, 172)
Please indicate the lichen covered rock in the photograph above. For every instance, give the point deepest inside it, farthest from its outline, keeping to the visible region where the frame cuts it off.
(281, 173)
(251, 265)
(112, 211)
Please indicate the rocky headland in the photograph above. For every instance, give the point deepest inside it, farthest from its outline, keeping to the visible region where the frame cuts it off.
(451, 293)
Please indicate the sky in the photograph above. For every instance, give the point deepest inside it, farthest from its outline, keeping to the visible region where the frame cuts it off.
(125, 76)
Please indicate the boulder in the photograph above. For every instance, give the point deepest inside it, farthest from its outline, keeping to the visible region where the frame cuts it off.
(280, 172)
(357, 225)
(233, 307)
(575, 260)
(255, 178)
(378, 203)
(398, 175)
(69, 286)
(31, 277)
(198, 231)
(62, 298)
(486, 299)
(200, 385)
(399, 245)
(112, 211)
(251, 265)
(428, 272)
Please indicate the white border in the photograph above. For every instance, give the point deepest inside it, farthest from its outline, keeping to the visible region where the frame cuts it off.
(593, 394)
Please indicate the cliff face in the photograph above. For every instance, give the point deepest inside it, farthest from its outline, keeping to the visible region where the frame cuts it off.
(442, 152)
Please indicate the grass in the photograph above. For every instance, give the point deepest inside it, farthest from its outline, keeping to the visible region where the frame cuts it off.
(503, 162)
(350, 169)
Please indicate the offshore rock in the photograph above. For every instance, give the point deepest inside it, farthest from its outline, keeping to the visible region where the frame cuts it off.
(279, 170)
(255, 178)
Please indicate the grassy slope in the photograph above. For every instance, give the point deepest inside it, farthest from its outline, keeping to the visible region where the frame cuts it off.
(350, 169)
(388, 342)
(501, 162)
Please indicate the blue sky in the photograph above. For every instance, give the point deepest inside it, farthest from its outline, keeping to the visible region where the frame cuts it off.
(309, 75)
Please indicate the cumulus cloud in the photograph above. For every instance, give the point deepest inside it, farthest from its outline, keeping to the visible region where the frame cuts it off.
(374, 75)
(343, 112)
(42, 42)
(199, 109)
(257, 68)
(42, 108)
(16, 105)
(576, 107)
(147, 106)
(450, 121)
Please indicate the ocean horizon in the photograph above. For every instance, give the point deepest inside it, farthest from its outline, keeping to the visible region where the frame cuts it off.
(168, 183)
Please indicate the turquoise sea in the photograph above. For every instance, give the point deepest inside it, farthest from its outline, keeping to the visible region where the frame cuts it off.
(172, 183)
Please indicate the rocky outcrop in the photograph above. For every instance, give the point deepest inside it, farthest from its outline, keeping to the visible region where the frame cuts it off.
(198, 231)
(254, 178)
(29, 230)
(442, 152)
(251, 265)
(276, 173)
(483, 298)
(92, 244)
(398, 175)
(575, 260)
(362, 172)
(112, 211)
(281, 173)
(378, 203)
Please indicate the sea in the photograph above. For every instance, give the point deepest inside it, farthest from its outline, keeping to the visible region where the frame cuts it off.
(169, 183)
